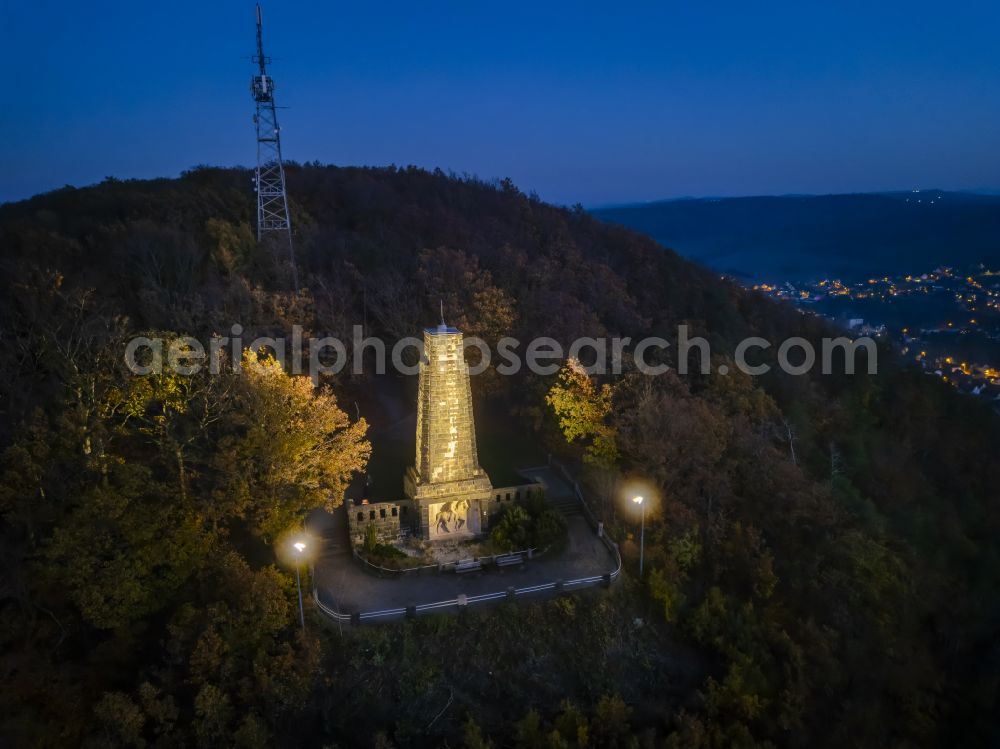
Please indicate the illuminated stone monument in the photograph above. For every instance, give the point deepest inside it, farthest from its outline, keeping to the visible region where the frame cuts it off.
(449, 490)
(448, 494)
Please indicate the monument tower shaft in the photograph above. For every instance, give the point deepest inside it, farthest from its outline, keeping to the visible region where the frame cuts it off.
(446, 482)
(446, 435)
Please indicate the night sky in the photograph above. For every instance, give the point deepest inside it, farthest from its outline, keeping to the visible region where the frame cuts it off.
(582, 102)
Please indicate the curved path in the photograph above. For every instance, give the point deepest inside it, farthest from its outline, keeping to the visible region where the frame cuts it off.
(344, 587)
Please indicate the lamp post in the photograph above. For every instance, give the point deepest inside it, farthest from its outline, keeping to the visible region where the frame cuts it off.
(642, 532)
(299, 548)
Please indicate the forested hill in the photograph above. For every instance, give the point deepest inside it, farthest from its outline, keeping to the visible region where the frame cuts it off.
(804, 237)
(821, 564)
(381, 245)
(153, 247)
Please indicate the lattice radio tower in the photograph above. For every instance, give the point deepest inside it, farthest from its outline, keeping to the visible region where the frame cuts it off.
(269, 180)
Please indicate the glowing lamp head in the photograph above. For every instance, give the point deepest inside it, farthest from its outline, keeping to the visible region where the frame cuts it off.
(637, 500)
(299, 546)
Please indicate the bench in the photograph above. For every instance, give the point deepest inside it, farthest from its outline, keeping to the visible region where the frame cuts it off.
(509, 560)
(468, 565)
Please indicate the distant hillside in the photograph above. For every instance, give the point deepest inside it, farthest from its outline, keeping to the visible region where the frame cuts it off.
(798, 237)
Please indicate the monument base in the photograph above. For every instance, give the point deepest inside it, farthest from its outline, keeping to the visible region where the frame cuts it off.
(451, 509)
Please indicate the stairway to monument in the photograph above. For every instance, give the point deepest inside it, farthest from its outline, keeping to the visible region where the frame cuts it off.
(567, 505)
(558, 492)
(335, 541)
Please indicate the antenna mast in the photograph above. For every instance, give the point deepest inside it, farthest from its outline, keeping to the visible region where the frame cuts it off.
(269, 179)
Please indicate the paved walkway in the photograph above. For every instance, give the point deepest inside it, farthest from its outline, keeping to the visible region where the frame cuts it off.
(555, 486)
(343, 585)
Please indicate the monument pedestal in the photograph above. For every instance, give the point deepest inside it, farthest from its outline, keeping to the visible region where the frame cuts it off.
(449, 509)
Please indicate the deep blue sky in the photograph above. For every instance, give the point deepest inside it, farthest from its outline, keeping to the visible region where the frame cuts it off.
(591, 102)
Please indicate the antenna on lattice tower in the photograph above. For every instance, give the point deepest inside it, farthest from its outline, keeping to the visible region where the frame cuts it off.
(269, 179)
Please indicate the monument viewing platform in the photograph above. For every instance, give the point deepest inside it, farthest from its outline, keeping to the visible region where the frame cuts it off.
(349, 591)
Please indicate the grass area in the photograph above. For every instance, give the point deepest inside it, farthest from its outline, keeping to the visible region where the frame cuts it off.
(391, 558)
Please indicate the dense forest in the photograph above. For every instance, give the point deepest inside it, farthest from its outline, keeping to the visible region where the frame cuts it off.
(822, 565)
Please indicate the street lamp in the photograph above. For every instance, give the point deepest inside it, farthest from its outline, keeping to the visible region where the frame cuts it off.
(642, 532)
(299, 548)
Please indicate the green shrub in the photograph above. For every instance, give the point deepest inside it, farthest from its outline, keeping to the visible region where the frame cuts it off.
(371, 539)
(512, 529)
(530, 523)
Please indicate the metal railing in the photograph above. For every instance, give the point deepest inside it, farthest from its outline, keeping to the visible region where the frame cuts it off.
(464, 601)
(393, 571)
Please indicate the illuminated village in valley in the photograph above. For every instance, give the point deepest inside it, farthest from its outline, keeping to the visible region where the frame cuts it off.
(946, 320)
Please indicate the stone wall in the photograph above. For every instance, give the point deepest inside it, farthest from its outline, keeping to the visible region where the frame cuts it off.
(391, 520)
(503, 495)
